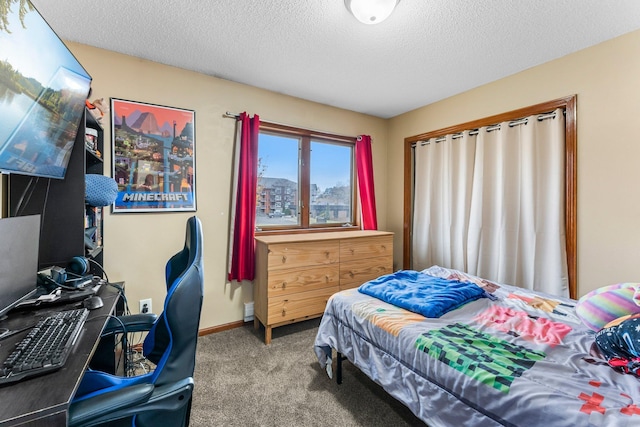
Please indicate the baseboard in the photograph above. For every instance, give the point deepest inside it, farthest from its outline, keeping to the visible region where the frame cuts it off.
(220, 328)
(211, 330)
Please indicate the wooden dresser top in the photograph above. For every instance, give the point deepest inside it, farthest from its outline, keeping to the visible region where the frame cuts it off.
(313, 237)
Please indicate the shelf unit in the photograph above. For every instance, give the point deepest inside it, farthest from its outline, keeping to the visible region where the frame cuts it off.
(65, 216)
(94, 164)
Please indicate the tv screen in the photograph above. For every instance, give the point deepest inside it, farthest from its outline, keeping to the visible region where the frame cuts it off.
(43, 89)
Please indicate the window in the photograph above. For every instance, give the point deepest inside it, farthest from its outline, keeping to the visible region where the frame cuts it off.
(305, 179)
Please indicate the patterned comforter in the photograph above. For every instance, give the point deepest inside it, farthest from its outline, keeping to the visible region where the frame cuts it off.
(518, 359)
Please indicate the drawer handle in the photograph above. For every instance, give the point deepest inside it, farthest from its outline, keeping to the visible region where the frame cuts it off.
(284, 285)
(284, 259)
(327, 253)
(352, 251)
(284, 313)
(351, 274)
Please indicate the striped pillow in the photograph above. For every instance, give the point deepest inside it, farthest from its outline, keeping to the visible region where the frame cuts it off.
(601, 306)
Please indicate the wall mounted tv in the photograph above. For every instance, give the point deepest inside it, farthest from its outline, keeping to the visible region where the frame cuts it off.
(43, 89)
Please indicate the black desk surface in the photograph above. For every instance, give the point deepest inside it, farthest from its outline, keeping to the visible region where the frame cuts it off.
(44, 400)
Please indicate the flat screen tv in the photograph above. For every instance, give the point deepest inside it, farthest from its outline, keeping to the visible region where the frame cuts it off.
(43, 89)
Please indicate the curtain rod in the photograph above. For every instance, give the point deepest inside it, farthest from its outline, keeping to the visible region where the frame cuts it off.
(229, 115)
(491, 128)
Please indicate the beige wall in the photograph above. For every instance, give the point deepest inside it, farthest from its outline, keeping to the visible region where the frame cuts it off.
(138, 245)
(606, 79)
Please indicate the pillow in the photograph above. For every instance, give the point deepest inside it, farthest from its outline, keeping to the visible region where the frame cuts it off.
(601, 306)
(619, 320)
(100, 190)
(619, 345)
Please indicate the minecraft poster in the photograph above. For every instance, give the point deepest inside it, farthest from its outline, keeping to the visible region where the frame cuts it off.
(153, 157)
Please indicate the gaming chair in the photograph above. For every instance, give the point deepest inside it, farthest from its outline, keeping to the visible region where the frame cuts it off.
(161, 397)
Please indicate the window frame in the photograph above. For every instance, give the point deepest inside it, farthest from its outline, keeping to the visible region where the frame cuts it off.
(306, 136)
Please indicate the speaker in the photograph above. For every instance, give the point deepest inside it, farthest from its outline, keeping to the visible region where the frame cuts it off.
(78, 265)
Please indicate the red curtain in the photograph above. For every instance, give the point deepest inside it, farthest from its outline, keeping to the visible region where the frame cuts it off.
(243, 252)
(364, 165)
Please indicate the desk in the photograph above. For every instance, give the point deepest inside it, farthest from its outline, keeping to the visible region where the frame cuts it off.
(44, 400)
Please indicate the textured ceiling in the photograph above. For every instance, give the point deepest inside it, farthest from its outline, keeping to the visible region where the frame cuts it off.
(426, 51)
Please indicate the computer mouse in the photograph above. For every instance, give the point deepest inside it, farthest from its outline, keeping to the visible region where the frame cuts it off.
(93, 302)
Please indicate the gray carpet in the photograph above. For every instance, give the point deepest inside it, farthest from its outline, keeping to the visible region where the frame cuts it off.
(242, 382)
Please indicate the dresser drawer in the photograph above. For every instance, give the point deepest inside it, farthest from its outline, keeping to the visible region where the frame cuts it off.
(284, 282)
(299, 305)
(355, 273)
(365, 247)
(293, 255)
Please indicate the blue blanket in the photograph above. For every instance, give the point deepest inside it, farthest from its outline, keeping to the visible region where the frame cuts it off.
(423, 294)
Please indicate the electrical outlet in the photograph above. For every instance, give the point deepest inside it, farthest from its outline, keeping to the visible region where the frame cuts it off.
(145, 306)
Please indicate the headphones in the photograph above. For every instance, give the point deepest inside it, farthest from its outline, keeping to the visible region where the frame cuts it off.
(78, 265)
(69, 278)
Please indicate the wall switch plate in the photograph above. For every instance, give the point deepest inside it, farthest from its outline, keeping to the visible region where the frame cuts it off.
(145, 306)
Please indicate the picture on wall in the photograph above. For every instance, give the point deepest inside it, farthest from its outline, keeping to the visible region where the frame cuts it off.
(153, 157)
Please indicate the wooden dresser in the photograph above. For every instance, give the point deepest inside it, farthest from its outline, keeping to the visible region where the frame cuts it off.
(297, 273)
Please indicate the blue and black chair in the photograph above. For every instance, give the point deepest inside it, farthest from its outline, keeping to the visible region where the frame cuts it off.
(161, 397)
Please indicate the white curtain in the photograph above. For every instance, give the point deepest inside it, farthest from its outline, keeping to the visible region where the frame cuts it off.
(491, 202)
(442, 201)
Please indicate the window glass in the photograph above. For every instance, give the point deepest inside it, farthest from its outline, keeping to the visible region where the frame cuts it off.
(330, 183)
(278, 178)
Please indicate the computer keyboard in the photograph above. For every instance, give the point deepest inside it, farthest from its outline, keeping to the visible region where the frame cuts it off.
(46, 346)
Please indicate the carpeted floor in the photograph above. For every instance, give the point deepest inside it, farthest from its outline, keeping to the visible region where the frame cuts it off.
(240, 381)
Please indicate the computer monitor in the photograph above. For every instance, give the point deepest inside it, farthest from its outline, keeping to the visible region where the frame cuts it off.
(19, 242)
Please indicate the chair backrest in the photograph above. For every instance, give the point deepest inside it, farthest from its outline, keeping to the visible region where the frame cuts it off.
(171, 342)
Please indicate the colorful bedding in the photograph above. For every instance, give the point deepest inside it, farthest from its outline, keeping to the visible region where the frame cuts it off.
(518, 359)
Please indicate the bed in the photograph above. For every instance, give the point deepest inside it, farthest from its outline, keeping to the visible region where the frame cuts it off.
(511, 357)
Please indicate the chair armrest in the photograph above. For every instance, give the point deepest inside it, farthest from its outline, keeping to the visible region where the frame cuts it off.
(131, 322)
(84, 411)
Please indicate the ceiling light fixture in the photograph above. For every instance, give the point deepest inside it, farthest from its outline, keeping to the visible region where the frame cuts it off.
(371, 11)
